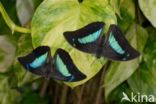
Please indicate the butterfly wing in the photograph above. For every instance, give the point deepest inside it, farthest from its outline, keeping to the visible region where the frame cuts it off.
(65, 67)
(87, 38)
(38, 61)
(116, 47)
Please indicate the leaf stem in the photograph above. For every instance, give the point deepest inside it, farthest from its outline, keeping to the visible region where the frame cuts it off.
(81, 94)
(100, 90)
(44, 87)
(10, 23)
(64, 96)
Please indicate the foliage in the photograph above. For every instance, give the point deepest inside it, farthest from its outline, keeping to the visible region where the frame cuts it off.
(149, 10)
(69, 15)
(47, 21)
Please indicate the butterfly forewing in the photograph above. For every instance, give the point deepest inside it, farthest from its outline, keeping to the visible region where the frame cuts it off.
(65, 67)
(38, 61)
(116, 47)
(87, 38)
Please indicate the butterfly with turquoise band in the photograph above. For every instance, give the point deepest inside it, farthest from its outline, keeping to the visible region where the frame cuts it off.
(91, 39)
(60, 67)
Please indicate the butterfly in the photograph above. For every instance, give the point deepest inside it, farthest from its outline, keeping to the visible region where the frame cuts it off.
(60, 67)
(90, 39)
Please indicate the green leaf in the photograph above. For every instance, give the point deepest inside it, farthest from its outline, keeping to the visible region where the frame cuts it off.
(24, 47)
(2, 54)
(18, 76)
(10, 8)
(121, 71)
(32, 97)
(144, 80)
(116, 5)
(117, 94)
(7, 53)
(127, 12)
(7, 95)
(37, 3)
(148, 8)
(25, 10)
(10, 23)
(53, 17)
(150, 52)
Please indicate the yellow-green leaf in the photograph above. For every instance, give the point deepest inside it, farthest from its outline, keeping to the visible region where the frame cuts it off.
(116, 5)
(53, 17)
(144, 80)
(148, 7)
(121, 71)
(7, 53)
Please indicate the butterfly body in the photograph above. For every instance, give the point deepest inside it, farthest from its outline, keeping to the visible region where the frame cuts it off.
(61, 67)
(114, 46)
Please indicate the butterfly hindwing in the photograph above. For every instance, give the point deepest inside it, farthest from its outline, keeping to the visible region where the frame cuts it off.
(38, 62)
(116, 47)
(87, 38)
(65, 67)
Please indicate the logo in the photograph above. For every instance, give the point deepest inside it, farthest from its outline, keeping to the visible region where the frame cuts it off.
(137, 98)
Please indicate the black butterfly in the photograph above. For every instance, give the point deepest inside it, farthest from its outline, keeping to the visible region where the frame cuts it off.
(90, 39)
(61, 67)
